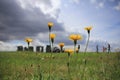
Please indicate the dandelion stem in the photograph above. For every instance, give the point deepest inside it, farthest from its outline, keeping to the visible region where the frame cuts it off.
(74, 48)
(49, 39)
(52, 47)
(68, 65)
(28, 45)
(61, 49)
(87, 42)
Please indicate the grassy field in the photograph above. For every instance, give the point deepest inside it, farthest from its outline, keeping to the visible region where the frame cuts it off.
(29, 66)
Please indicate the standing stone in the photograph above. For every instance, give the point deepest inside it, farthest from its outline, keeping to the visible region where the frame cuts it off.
(25, 49)
(39, 48)
(31, 48)
(48, 48)
(42, 49)
(19, 48)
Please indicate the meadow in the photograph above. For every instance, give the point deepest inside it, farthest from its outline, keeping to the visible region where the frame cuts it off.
(40, 66)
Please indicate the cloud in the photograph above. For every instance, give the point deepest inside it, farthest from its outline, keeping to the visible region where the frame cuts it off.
(101, 4)
(101, 43)
(29, 18)
(98, 4)
(60, 37)
(112, 0)
(50, 7)
(17, 22)
(117, 7)
(41, 39)
(93, 1)
(74, 1)
(6, 46)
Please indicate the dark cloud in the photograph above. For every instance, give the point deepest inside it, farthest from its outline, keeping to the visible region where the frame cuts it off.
(17, 23)
(112, 2)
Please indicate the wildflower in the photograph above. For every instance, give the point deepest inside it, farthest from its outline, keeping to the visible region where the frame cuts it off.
(89, 28)
(52, 36)
(75, 37)
(61, 46)
(28, 40)
(69, 51)
(51, 40)
(77, 50)
(50, 24)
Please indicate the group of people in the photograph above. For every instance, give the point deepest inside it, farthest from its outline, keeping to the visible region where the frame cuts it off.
(108, 48)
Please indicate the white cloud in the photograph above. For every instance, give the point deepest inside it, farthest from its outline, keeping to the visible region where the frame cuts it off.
(97, 4)
(101, 4)
(12, 45)
(93, 1)
(6, 46)
(50, 7)
(74, 1)
(117, 7)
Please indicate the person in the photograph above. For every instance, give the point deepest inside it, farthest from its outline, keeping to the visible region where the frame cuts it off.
(104, 49)
(78, 48)
(109, 48)
(97, 48)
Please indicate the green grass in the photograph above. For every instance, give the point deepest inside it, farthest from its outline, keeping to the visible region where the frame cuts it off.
(29, 66)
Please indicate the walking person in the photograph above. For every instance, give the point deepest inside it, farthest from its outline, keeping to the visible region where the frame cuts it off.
(97, 50)
(109, 48)
(104, 49)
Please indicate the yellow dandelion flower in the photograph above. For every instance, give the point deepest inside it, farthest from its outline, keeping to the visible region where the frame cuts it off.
(75, 37)
(50, 24)
(76, 49)
(52, 36)
(61, 44)
(66, 50)
(70, 51)
(28, 40)
(88, 28)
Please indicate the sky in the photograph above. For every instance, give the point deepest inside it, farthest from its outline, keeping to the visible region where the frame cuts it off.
(29, 18)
